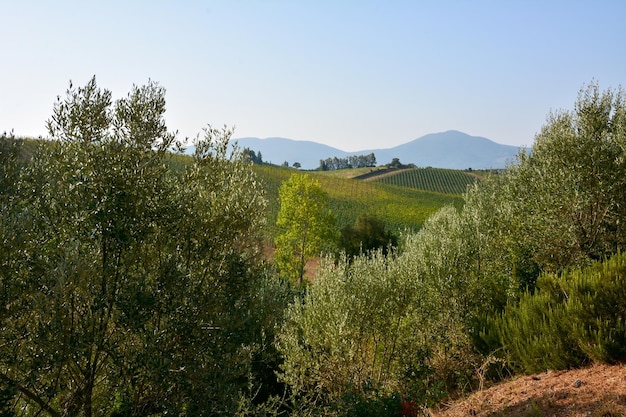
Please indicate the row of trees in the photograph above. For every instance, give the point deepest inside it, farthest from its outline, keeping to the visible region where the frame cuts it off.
(352, 161)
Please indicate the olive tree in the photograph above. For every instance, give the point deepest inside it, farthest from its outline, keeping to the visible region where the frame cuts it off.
(563, 202)
(381, 327)
(576, 174)
(129, 288)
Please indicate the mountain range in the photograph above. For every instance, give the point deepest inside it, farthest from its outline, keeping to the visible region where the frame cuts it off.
(451, 149)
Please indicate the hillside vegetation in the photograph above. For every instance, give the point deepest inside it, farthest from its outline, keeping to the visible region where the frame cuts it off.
(401, 208)
(133, 281)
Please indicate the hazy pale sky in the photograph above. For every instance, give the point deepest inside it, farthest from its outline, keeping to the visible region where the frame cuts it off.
(351, 74)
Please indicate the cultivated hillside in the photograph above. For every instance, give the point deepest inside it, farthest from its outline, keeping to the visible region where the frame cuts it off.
(399, 207)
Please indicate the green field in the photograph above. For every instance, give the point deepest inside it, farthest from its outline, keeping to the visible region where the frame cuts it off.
(447, 181)
(399, 207)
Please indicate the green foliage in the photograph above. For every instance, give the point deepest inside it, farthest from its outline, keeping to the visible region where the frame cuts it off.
(567, 194)
(559, 206)
(367, 234)
(399, 208)
(571, 318)
(340, 338)
(438, 180)
(305, 223)
(126, 286)
(10, 151)
(378, 326)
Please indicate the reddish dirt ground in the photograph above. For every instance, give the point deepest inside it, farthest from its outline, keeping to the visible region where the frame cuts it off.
(309, 269)
(596, 391)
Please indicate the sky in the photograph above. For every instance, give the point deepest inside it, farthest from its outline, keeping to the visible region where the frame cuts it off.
(352, 74)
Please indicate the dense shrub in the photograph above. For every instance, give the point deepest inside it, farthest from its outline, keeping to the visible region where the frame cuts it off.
(572, 318)
(368, 233)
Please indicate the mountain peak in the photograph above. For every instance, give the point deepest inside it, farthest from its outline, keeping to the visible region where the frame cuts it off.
(450, 149)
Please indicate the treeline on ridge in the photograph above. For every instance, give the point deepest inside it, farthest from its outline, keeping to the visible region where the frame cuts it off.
(352, 161)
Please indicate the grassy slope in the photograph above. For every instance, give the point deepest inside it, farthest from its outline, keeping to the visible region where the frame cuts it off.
(399, 207)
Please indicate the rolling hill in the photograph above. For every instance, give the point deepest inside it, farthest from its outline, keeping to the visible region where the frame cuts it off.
(401, 208)
(451, 149)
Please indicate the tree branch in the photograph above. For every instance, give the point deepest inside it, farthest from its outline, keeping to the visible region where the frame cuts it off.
(31, 396)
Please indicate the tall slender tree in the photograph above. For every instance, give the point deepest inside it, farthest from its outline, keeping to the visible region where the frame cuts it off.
(305, 223)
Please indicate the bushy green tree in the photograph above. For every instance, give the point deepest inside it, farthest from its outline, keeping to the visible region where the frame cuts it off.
(305, 225)
(560, 203)
(126, 287)
(567, 193)
(349, 336)
(368, 233)
(385, 326)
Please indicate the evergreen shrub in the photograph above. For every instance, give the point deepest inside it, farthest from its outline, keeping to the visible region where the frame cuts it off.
(572, 318)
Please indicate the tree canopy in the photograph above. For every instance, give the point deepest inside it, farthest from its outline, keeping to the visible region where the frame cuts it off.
(305, 224)
(125, 287)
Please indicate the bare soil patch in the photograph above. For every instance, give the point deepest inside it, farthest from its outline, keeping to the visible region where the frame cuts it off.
(596, 391)
(310, 269)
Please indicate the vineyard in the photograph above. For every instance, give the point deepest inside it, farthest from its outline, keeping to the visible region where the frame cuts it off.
(445, 181)
(399, 207)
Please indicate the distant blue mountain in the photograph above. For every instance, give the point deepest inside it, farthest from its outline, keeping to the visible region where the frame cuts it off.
(279, 150)
(451, 149)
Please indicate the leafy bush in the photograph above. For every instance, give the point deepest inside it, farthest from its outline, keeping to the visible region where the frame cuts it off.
(379, 328)
(127, 287)
(571, 318)
(367, 234)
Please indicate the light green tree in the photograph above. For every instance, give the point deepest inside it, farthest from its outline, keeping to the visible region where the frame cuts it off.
(305, 224)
